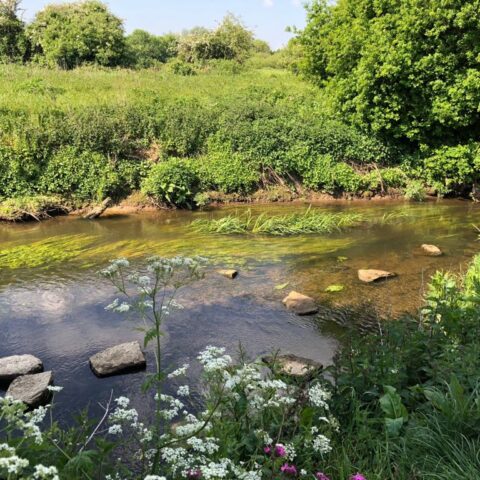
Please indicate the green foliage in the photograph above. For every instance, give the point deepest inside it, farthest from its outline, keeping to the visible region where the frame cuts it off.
(231, 40)
(406, 69)
(172, 182)
(415, 190)
(28, 208)
(146, 50)
(83, 175)
(13, 42)
(69, 35)
(453, 169)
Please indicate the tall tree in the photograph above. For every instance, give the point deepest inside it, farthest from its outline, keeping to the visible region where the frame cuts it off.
(13, 45)
(407, 69)
(71, 34)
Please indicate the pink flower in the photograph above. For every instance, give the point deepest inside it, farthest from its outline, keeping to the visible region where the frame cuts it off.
(288, 469)
(267, 450)
(194, 474)
(321, 476)
(357, 476)
(280, 450)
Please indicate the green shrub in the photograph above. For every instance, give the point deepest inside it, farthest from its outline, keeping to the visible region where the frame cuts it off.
(179, 67)
(84, 176)
(415, 190)
(227, 171)
(453, 169)
(172, 182)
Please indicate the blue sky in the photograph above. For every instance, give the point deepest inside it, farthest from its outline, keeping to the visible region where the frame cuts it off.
(267, 18)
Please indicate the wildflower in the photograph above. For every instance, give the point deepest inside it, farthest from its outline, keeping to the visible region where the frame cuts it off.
(154, 477)
(321, 476)
(267, 450)
(288, 469)
(183, 391)
(122, 402)
(179, 371)
(321, 444)
(45, 473)
(357, 476)
(280, 450)
(115, 430)
(193, 474)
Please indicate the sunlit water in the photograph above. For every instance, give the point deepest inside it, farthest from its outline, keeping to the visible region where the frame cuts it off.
(52, 301)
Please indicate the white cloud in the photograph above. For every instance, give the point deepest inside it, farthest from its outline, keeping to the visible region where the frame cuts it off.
(268, 3)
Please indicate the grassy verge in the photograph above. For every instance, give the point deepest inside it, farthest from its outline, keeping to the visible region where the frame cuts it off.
(31, 208)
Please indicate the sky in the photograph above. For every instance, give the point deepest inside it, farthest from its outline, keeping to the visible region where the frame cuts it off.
(267, 18)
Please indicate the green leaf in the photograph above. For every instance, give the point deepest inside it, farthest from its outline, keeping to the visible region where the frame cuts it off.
(282, 286)
(334, 288)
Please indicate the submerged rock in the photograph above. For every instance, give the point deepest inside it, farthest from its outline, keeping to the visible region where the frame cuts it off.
(18, 365)
(229, 273)
(370, 276)
(294, 365)
(119, 359)
(300, 304)
(31, 389)
(431, 250)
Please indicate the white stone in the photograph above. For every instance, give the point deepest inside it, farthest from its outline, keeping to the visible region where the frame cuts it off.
(118, 359)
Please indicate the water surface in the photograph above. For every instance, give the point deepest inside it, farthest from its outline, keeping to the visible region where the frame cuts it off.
(52, 301)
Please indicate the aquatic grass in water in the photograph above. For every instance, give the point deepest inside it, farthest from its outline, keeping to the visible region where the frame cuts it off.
(308, 222)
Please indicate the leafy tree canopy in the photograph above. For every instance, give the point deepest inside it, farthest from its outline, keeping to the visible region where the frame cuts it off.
(68, 35)
(145, 49)
(13, 44)
(407, 69)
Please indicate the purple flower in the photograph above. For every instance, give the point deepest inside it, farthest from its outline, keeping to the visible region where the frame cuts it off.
(321, 476)
(267, 450)
(288, 469)
(357, 476)
(280, 450)
(194, 474)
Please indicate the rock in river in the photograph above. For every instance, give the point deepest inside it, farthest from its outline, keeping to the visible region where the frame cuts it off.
(31, 389)
(293, 365)
(18, 365)
(300, 304)
(118, 359)
(370, 276)
(229, 273)
(431, 250)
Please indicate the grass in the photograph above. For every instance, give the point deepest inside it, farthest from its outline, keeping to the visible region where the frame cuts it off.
(35, 89)
(30, 208)
(307, 222)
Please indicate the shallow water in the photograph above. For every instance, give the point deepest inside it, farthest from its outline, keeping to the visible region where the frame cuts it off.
(52, 302)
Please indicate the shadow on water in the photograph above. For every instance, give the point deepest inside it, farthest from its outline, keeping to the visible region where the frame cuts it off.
(52, 302)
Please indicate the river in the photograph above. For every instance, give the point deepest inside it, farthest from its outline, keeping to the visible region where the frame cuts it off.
(52, 300)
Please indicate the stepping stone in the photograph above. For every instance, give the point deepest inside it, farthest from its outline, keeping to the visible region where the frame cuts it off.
(18, 365)
(228, 273)
(431, 250)
(293, 365)
(300, 304)
(370, 276)
(31, 389)
(119, 359)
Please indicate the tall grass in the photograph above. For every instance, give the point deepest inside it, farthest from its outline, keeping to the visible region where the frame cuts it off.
(308, 222)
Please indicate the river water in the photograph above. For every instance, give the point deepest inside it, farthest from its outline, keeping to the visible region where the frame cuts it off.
(52, 300)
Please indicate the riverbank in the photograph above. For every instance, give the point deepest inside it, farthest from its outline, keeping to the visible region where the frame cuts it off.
(38, 208)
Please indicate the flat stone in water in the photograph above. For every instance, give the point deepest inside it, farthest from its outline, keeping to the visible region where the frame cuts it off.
(18, 365)
(300, 304)
(431, 250)
(119, 359)
(295, 366)
(31, 389)
(370, 276)
(228, 273)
